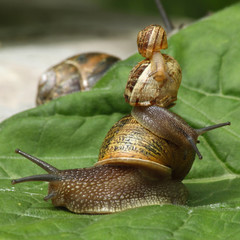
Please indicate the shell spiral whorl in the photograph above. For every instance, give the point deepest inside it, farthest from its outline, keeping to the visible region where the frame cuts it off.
(151, 39)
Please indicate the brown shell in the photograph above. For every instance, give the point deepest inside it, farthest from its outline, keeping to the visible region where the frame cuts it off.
(77, 73)
(143, 90)
(129, 143)
(150, 39)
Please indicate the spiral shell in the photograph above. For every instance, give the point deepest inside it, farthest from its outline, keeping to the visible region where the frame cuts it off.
(143, 90)
(77, 73)
(150, 39)
(129, 143)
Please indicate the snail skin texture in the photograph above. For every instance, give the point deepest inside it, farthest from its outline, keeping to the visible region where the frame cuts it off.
(142, 161)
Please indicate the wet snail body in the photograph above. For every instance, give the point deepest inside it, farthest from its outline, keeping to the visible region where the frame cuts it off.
(107, 189)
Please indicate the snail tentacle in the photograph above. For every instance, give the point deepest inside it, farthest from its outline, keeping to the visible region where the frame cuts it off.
(42, 177)
(50, 196)
(200, 131)
(47, 167)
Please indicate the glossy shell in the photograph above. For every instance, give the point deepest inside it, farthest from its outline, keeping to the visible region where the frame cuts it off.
(78, 73)
(129, 143)
(143, 90)
(150, 39)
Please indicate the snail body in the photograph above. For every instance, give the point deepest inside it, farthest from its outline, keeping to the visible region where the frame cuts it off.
(77, 73)
(136, 167)
(105, 189)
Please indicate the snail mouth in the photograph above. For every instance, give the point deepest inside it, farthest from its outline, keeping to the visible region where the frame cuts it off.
(157, 168)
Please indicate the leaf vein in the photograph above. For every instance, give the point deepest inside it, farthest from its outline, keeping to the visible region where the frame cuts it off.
(210, 94)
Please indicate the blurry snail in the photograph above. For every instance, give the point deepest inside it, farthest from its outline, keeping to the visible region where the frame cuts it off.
(77, 73)
(156, 79)
(142, 161)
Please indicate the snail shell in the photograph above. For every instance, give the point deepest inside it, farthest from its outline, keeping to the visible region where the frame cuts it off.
(77, 73)
(155, 80)
(151, 39)
(142, 162)
(129, 143)
(143, 90)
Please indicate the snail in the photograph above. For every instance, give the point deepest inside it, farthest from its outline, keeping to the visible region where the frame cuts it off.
(150, 41)
(144, 156)
(77, 73)
(142, 161)
(156, 79)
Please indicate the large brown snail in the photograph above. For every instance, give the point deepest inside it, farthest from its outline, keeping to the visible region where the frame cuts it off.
(77, 73)
(142, 161)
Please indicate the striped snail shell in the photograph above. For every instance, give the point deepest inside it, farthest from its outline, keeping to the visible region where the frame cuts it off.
(143, 90)
(77, 73)
(151, 39)
(156, 79)
(156, 139)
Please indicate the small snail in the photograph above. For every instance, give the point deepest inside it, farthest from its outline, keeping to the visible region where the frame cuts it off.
(150, 41)
(77, 73)
(155, 80)
(144, 156)
(142, 161)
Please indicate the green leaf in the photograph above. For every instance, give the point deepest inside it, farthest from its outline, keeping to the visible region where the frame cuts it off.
(68, 133)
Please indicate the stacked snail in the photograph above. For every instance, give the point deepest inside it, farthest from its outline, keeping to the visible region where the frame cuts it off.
(145, 155)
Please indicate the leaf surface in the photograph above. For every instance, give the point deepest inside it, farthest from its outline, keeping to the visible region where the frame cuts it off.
(68, 133)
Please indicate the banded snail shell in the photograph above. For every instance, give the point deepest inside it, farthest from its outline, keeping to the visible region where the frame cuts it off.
(77, 73)
(129, 143)
(151, 39)
(143, 90)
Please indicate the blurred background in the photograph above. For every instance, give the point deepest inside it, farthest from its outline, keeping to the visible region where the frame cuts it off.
(36, 34)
